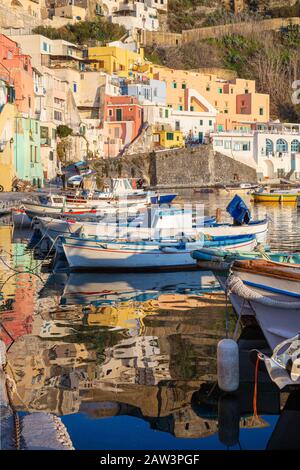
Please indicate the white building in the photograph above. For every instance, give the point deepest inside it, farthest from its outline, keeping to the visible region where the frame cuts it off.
(194, 125)
(273, 150)
(135, 15)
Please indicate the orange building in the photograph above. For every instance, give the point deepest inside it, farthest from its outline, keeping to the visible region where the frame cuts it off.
(123, 120)
(19, 69)
(236, 101)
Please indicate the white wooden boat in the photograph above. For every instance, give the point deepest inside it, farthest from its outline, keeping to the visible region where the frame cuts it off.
(121, 188)
(171, 223)
(272, 291)
(258, 228)
(56, 205)
(105, 254)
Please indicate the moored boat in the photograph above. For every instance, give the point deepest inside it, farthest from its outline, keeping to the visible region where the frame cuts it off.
(272, 290)
(275, 197)
(147, 254)
(221, 260)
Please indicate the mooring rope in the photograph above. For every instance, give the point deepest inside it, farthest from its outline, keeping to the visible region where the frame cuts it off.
(236, 286)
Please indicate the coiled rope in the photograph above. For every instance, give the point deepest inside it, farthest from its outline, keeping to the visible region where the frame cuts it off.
(236, 286)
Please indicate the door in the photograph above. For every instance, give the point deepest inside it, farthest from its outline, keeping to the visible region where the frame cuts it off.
(119, 114)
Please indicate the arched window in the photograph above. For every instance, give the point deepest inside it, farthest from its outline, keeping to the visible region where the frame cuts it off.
(281, 146)
(295, 146)
(269, 147)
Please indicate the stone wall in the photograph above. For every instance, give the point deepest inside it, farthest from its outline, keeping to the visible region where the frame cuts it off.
(196, 168)
(157, 38)
(186, 168)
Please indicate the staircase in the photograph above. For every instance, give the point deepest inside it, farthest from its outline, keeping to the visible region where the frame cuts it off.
(143, 142)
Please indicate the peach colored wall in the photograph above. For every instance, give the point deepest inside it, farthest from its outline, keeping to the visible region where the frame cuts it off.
(222, 94)
(20, 69)
(243, 104)
(131, 111)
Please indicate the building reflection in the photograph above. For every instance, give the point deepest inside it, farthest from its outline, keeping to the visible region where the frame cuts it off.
(151, 355)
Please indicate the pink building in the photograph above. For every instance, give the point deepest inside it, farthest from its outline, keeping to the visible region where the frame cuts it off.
(19, 68)
(123, 120)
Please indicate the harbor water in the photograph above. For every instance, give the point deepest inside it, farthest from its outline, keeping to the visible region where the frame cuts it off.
(128, 360)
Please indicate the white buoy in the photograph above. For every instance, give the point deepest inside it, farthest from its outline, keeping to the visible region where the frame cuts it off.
(228, 365)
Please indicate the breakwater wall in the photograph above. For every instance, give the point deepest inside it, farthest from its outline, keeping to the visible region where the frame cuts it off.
(186, 168)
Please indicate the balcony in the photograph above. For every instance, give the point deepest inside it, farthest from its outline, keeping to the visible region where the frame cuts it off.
(46, 141)
(40, 90)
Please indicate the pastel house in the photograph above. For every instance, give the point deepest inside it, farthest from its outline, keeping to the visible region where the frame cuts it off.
(27, 151)
(123, 121)
(146, 91)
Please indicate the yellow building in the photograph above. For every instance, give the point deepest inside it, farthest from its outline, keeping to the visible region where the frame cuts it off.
(236, 101)
(7, 169)
(116, 60)
(168, 139)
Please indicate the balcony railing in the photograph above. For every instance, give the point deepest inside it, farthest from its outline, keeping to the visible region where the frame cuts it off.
(40, 90)
(46, 141)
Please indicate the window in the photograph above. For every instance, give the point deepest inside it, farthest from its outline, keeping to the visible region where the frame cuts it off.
(226, 111)
(31, 153)
(35, 154)
(210, 123)
(117, 132)
(174, 85)
(241, 146)
(183, 86)
(29, 101)
(170, 136)
(166, 113)
(218, 143)
(295, 146)
(201, 122)
(227, 144)
(246, 91)
(220, 90)
(36, 127)
(53, 134)
(281, 146)
(207, 87)
(57, 115)
(155, 92)
(261, 111)
(246, 147)
(118, 114)
(177, 125)
(192, 108)
(75, 87)
(45, 47)
(51, 156)
(110, 112)
(179, 107)
(269, 147)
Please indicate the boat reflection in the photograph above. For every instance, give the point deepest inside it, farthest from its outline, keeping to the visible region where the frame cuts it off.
(134, 345)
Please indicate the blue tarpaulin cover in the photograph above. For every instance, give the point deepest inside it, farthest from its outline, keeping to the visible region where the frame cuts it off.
(239, 210)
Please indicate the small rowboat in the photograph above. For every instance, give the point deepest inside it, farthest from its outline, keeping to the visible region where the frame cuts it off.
(146, 254)
(272, 290)
(220, 260)
(275, 197)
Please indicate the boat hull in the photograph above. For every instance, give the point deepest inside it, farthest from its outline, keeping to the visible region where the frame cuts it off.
(99, 254)
(278, 323)
(275, 197)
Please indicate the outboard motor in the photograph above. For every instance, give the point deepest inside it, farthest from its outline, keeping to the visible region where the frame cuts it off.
(239, 211)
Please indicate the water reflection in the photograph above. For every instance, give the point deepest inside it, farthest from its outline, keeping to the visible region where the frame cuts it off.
(96, 348)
